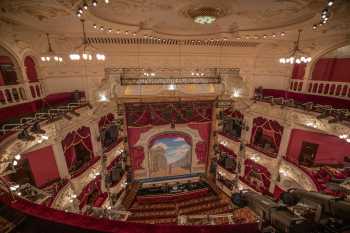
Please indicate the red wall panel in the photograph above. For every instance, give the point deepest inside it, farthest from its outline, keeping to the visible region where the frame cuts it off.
(331, 149)
(298, 71)
(43, 165)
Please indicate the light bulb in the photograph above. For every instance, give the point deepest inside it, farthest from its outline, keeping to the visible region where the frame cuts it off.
(85, 6)
(298, 61)
(171, 87)
(48, 58)
(15, 163)
(94, 3)
(17, 156)
(330, 3)
(74, 57)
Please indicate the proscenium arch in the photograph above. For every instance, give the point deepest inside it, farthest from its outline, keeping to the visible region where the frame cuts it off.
(182, 128)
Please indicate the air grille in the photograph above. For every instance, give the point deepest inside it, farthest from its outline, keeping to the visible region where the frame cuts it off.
(155, 41)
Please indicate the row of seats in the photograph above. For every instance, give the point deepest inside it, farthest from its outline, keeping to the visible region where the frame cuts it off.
(203, 208)
(165, 213)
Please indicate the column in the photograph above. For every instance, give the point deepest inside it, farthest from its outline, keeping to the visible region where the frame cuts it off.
(96, 145)
(98, 151)
(245, 139)
(248, 123)
(213, 139)
(60, 159)
(282, 152)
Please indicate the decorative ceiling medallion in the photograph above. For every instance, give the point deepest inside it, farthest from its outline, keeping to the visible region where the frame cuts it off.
(205, 15)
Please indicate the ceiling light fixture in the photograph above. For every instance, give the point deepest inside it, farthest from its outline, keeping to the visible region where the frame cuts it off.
(205, 15)
(50, 55)
(296, 55)
(86, 51)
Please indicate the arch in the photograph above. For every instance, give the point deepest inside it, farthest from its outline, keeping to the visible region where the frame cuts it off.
(30, 67)
(139, 148)
(310, 67)
(8, 71)
(6, 50)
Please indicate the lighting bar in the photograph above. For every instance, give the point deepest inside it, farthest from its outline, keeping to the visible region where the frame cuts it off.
(170, 81)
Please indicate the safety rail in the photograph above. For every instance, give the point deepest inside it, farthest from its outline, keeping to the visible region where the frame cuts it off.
(20, 93)
(322, 88)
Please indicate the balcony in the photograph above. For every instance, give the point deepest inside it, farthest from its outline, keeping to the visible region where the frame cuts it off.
(20, 93)
(321, 88)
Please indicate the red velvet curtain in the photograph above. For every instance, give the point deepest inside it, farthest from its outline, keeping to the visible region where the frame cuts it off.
(137, 153)
(105, 121)
(298, 71)
(30, 69)
(202, 147)
(80, 136)
(88, 189)
(254, 170)
(269, 128)
(166, 113)
(332, 69)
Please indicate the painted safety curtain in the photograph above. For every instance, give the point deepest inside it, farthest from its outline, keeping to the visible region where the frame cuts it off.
(83, 136)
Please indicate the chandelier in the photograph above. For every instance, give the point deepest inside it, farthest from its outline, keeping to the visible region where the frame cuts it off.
(296, 55)
(205, 15)
(50, 55)
(86, 51)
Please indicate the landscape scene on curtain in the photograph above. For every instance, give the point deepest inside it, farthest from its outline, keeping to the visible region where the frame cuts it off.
(170, 157)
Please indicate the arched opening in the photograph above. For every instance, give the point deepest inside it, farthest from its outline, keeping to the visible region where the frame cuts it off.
(31, 72)
(333, 66)
(8, 69)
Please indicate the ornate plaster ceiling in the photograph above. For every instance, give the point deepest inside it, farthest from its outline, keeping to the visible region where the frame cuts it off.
(171, 17)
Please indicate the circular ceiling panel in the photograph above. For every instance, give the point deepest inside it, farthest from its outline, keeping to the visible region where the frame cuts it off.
(174, 17)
